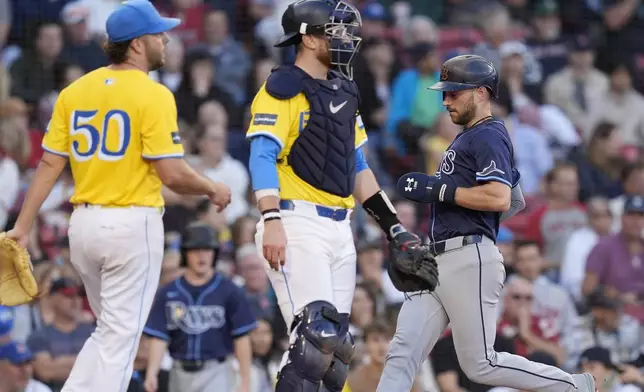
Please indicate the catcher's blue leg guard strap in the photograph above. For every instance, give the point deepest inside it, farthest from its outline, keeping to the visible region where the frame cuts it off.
(311, 354)
(337, 373)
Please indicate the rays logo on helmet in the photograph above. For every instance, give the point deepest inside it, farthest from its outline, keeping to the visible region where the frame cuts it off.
(444, 73)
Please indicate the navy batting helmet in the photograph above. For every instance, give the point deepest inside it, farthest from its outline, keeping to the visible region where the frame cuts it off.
(336, 20)
(199, 236)
(466, 72)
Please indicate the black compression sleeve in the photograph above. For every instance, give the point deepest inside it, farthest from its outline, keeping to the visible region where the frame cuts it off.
(382, 211)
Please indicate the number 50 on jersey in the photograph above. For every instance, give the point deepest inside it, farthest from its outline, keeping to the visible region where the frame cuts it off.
(109, 142)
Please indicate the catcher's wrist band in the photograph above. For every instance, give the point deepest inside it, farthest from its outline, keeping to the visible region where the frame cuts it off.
(271, 214)
(382, 211)
(266, 192)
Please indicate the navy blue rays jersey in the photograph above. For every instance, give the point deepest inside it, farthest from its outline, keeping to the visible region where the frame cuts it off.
(477, 155)
(200, 322)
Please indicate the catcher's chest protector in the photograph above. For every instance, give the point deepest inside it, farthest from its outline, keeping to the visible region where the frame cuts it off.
(323, 155)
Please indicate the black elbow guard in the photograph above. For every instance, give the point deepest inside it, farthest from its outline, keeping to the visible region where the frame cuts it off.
(382, 211)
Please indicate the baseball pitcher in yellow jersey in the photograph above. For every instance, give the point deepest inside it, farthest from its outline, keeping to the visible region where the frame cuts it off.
(118, 129)
(307, 164)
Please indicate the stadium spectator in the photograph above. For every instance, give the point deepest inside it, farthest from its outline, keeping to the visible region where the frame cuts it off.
(258, 291)
(191, 13)
(633, 183)
(216, 164)
(547, 42)
(552, 224)
(530, 332)
(264, 367)
(412, 105)
(229, 57)
(497, 29)
(581, 243)
(609, 327)
(9, 168)
(16, 370)
(365, 378)
(597, 361)
(33, 73)
(577, 84)
(513, 55)
(197, 86)
(622, 106)
(600, 164)
(55, 346)
(80, 48)
(551, 303)
(616, 262)
(363, 309)
(448, 372)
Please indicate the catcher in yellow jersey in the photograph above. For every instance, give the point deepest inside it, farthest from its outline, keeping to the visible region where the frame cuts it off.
(307, 165)
(118, 129)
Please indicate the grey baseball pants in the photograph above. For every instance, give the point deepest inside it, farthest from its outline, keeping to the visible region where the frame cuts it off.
(471, 280)
(215, 376)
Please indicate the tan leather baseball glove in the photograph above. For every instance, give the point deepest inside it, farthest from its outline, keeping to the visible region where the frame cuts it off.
(17, 283)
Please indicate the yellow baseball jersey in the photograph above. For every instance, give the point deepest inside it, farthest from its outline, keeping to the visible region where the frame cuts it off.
(287, 119)
(112, 124)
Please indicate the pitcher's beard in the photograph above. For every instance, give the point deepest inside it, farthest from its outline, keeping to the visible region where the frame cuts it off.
(155, 63)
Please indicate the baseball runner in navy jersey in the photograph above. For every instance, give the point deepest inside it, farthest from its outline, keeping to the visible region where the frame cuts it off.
(202, 319)
(469, 194)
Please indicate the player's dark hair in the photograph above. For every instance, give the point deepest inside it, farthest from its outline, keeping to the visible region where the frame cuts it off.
(519, 244)
(631, 169)
(117, 51)
(378, 328)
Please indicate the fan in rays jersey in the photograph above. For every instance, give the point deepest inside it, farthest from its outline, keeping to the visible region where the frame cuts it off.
(201, 318)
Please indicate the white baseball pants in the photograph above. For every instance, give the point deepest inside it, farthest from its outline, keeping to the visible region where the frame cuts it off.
(320, 261)
(118, 254)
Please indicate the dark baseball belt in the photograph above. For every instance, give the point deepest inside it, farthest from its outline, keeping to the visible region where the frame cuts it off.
(325, 212)
(191, 366)
(454, 243)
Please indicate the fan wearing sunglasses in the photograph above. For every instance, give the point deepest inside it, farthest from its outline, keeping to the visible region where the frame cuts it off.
(529, 332)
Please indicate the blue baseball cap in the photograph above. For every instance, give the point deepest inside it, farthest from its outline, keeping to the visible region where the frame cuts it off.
(6, 320)
(135, 18)
(16, 353)
(374, 11)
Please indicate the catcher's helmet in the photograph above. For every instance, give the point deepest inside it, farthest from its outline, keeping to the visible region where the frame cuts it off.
(466, 72)
(199, 236)
(336, 20)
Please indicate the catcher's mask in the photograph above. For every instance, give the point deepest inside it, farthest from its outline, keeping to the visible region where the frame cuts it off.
(342, 32)
(337, 21)
(199, 236)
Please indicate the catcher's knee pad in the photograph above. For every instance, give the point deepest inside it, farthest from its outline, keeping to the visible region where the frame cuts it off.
(316, 341)
(336, 375)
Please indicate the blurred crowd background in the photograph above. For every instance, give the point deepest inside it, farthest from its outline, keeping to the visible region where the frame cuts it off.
(572, 79)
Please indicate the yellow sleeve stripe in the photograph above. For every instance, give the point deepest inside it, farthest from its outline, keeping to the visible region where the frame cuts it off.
(268, 134)
(362, 143)
(162, 156)
(59, 153)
